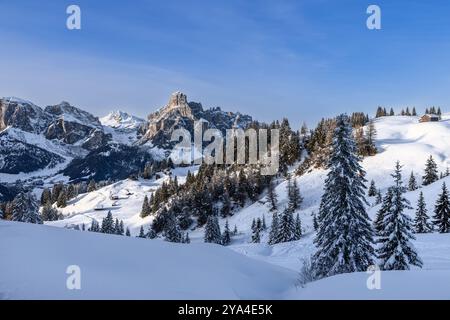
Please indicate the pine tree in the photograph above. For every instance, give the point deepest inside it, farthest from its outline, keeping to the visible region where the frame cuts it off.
(386, 205)
(295, 199)
(286, 227)
(235, 230)
(372, 189)
(345, 236)
(46, 197)
(128, 233)
(117, 227)
(412, 184)
(264, 226)
(431, 173)
(226, 237)
(49, 213)
(146, 209)
(141, 233)
(396, 252)
(274, 229)
(94, 226)
(187, 239)
(172, 232)
(379, 198)
(441, 218)
(108, 224)
(25, 208)
(315, 222)
(272, 197)
(421, 222)
(414, 112)
(391, 112)
(62, 199)
(256, 237)
(298, 228)
(212, 230)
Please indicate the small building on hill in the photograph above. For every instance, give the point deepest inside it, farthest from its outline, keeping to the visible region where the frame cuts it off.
(429, 118)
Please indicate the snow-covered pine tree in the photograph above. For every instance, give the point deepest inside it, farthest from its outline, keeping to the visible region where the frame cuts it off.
(412, 183)
(421, 222)
(187, 239)
(172, 232)
(25, 208)
(146, 209)
(128, 233)
(379, 198)
(431, 172)
(256, 237)
(396, 251)
(298, 228)
(274, 228)
(226, 237)
(441, 218)
(372, 189)
(121, 228)
(94, 226)
(272, 197)
(315, 222)
(286, 227)
(141, 233)
(386, 205)
(108, 224)
(294, 196)
(345, 236)
(263, 225)
(212, 230)
(235, 230)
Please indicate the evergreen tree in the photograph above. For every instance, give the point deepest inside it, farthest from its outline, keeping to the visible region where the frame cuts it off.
(91, 186)
(286, 227)
(379, 198)
(146, 209)
(117, 227)
(141, 233)
(412, 184)
(62, 199)
(108, 224)
(128, 233)
(25, 208)
(414, 112)
(94, 226)
(391, 112)
(57, 188)
(315, 222)
(298, 228)
(431, 173)
(441, 218)
(263, 226)
(49, 213)
(396, 252)
(369, 140)
(256, 237)
(46, 197)
(225, 211)
(372, 189)
(187, 239)
(295, 199)
(212, 230)
(172, 232)
(274, 229)
(421, 222)
(226, 237)
(272, 197)
(345, 236)
(386, 205)
(235, 230)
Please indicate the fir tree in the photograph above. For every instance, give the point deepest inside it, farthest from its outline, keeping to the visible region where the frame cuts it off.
(256, 237)
(235, 230)
(431, 173)
(141, 233)
(286, 227)
(226, 237)
(412, 184)
(298, 228)
(49, 213)
(172, 232)
(345, 236)
(315, 222)
(62, 199)
(94, 226)
(25, 208)
(274, 229)
(396, 251)
(379, 198)
(441, 218)
(46, 197)
(295, 199)
(386, 205)
(146, 209)
(372, 189)
(421, 222)
(264, 226)
(272, 197)
(128, 233)
(212, 230)
(187, 239)
(108, 224)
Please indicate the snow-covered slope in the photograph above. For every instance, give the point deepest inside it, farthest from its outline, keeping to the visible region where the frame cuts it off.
(121, 120)
(35, 259)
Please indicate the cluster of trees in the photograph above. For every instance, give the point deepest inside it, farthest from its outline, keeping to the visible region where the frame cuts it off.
(109, 226)
(345, 236)
(381, 112)
(433, 110)
(152, 168)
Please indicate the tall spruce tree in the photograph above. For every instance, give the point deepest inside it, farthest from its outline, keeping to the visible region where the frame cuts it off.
(298, 228)
(412, 183)
(286, 227)
(386, 205)
(431, 172)
(146, 209)
(212, 230)
(141, 233)
(272, 197)
(441, 218)
(274, 228)
(396, 251)
(226, 237)
(294, 196)
(25, 208)
(108, 224)
(345, 236)
(379, 198)
(372, 189)
(421, 221)
(172, 232)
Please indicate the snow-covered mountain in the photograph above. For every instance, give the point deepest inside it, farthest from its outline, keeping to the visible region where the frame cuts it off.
(121, 120)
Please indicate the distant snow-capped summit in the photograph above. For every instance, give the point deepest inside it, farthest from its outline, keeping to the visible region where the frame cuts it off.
(121, 120)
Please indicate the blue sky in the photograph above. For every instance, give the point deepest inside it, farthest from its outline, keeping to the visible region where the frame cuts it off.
(301, 59)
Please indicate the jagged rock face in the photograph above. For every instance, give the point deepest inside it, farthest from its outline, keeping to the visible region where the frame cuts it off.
(17, 156)
(23, 115)
(179, 113)
(112, 161)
